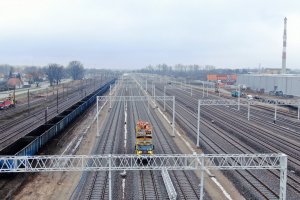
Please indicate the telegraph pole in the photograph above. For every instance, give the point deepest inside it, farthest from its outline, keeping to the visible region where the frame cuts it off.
(46, 115)
(28, 104)
(57, 100)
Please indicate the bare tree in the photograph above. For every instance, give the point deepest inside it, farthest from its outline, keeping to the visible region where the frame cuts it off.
(36, 74)
(11, 70)
(55, 73)
(5, 69)
(76, 70)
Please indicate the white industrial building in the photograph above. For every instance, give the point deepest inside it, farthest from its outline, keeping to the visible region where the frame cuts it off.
(287, 83)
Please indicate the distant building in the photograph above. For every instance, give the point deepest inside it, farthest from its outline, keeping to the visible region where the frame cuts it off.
(287, 83)
(15, 75)
(273, 71)
(224, 78)
(14, 83)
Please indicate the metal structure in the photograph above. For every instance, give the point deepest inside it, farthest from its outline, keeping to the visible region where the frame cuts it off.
(121, 162)
(233, 102)
(110, 96)
(165, 88)
(284, 48)
(169, 185)
(239, 96)
(135, 98)
(184, 85)
(153, 90)
(207, 83)
(228, 102)
(164, 98)
(146, 84)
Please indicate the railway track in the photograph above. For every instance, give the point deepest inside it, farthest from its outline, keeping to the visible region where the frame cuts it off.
(274, 138)
(62, 142)
(184, 182)
(147, 179)
(283, 116)
(150, 182)
(50, 102)
(39, 98)
(95, 184)
(15, 129)
(219, 143)
(186, 105)
(139, 184)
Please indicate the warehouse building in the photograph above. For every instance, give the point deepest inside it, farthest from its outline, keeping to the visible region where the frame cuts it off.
(289, 84)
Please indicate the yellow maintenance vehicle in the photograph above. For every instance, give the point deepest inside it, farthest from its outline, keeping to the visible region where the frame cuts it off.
(143, 141)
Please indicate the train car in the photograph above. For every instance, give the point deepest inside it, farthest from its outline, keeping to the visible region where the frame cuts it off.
(6, 104)
(235, 93)
(143, 143)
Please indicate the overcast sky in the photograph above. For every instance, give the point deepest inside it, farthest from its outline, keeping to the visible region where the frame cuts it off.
(135, 33)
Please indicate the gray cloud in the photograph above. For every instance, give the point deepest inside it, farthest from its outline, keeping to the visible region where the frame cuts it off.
(125, 34)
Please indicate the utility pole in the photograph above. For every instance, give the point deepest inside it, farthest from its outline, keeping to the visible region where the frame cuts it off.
(28, 104)
(46, 115)
(198, 124)
(275, 112)
(298, 109)
(202, 89)
(202, 178)
(154, 94)
(86, 86)
(57, 100)
(14, 96)
(81, 84)
(110, 96)
(248, 110)
(94, 85)
(173, 119)
(239, 96)
(164, 98)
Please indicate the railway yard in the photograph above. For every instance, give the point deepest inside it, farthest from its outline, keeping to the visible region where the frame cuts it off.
(149, 100)
(19, 121)
(224, 129)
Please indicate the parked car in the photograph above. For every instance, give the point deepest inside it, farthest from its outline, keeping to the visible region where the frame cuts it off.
(249, 97)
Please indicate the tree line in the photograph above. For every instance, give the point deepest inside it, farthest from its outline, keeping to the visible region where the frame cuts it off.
(54, 72)
(195, 72)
